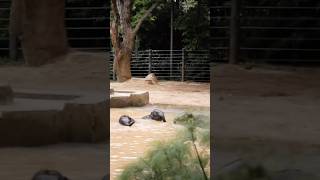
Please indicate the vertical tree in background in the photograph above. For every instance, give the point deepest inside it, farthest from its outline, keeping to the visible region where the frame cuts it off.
(41, 28)
(123, 33)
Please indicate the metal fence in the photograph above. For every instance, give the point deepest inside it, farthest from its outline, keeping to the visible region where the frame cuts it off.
(265, 31)
(183, 66)
(87, 25)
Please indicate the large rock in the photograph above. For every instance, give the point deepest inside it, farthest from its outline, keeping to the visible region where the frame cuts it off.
(151, 79)
(6, 94)
(136, 99)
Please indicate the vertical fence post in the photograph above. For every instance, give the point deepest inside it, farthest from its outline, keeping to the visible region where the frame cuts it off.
(234, 31)
(113, 64)
(183, 65)
(150, 60)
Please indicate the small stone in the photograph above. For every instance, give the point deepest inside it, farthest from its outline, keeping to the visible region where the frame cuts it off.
(151, 79)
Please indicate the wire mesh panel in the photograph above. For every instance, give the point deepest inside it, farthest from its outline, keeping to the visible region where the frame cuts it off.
(286, 31)
(197, 65)
(4, 24)
(270, 31)
(219, 30)
(180, 65)
(87, 25)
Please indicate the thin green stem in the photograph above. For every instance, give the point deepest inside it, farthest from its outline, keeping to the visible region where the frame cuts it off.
(198, 156)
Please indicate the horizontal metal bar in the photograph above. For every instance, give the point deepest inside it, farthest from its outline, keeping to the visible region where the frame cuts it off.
(283, 38)
(279, 18)
(219, 7)
(280, 7)
(88, 38)
(86, 18)
(219, 27)
(87, 8)
(90, 28)
(283, 60)
(220, 48)
(280, 28)
(268, 28)
(279, 49)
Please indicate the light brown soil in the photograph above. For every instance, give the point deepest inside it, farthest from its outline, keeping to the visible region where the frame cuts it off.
(170, 92)
(267, 113)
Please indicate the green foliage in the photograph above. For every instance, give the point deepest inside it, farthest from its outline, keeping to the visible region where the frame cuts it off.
(193, 23)
(174, 159)
(139, 8)
(192, 121)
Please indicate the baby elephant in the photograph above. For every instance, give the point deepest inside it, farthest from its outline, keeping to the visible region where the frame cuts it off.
(126, 120)
(157, 115)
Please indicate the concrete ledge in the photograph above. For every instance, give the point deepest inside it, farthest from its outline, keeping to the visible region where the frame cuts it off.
(126, 99)
(81, 120)
(85, 122)
(30, 128)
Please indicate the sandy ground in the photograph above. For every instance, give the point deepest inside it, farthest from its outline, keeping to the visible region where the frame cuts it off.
(170, 92)
(267, 114)
(174, 98)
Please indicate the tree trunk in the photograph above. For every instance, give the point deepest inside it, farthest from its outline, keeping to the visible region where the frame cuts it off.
(123, 43)
(123, 66)
(43, 32)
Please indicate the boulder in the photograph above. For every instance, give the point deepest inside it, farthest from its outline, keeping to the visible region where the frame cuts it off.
(151, 79)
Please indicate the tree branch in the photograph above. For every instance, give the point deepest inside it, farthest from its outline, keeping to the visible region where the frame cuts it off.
(146, 14)
(114, 29)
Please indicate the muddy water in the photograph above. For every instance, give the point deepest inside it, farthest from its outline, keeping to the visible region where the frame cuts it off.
(129, 143)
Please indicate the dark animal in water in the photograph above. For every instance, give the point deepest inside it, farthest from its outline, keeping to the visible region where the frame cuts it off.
(126, 120)
(157, 115)
(48, 175)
